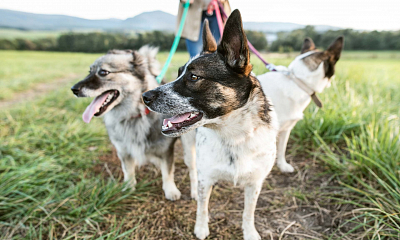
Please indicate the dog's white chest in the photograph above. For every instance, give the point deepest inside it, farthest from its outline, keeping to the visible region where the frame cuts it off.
(218, 159)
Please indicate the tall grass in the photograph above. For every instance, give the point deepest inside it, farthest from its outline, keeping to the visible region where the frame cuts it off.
(47, 184)
(358, 129)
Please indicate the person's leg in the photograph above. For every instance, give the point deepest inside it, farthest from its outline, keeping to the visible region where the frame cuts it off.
(195, 47)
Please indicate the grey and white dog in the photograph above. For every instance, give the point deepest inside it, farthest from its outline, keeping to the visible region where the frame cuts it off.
(117, 81)
(236, 124)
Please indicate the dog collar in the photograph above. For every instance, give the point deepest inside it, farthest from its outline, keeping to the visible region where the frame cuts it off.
(307, 89)
(146, 112)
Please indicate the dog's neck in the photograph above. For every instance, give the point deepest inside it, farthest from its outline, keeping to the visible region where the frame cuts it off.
(315, 80)
(132, 107)
(242, 124)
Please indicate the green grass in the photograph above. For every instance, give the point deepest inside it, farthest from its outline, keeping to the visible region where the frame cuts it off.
(48, 188)
(31, 35)
(358, 129)
(24, 70)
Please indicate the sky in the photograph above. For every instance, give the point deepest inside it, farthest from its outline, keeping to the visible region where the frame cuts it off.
(357, 14)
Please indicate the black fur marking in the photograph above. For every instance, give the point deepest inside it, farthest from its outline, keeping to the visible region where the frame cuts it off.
(231, 156)
(91, 81)
(328, 57)
(234, 47)
(218, 85)
(308, 45)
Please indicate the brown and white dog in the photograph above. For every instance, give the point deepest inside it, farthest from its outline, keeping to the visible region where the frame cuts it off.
(217, 95)
(292, 89)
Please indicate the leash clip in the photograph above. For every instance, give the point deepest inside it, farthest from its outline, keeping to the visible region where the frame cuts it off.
(271, 67)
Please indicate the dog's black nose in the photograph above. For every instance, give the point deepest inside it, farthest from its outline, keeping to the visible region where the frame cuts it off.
(75, 90)
(149, 97)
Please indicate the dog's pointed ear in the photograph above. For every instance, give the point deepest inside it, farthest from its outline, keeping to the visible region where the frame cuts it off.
(139, 64)
(209, 44)
(233, 46)
(138, 59)
(308, 45)
(335, 49)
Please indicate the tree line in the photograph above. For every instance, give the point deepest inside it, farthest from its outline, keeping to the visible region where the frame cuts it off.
(99, 42)
(354, 40)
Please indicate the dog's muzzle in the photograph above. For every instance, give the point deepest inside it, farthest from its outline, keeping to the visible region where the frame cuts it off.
(149, 97)
(76, 90)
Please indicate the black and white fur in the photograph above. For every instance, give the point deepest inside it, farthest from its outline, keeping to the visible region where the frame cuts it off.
(315, 69)
(236, 124)
(135, 134)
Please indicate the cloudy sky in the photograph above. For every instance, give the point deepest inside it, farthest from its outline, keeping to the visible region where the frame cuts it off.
(358, 14)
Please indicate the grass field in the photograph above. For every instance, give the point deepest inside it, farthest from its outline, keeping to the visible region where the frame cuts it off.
(60, 178)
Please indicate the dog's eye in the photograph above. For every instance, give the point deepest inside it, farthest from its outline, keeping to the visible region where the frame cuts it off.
(194, 77)
(103, 73)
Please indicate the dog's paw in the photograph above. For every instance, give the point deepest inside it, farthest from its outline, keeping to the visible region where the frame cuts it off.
(129, 186)
(194, 195)
(172, 193)
(251, 234)
(286, 167)
(201, 230)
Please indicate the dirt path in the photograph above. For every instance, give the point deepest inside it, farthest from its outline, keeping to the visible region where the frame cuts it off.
(291, 206)
(36, 91)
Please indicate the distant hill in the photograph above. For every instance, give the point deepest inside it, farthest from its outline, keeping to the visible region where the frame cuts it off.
(274, 27)
(147, 21)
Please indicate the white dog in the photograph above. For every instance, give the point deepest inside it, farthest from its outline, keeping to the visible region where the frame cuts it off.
(292, 89)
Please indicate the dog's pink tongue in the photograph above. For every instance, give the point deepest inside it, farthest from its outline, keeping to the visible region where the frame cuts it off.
(177, 118)
(94, 107)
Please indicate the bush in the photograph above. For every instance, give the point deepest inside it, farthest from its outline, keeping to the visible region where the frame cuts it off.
(354, 40)
(6, 44)
(46, 44)
(257, 39)
(24, 44)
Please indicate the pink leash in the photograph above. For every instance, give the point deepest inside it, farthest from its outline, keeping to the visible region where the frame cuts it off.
(270, 66)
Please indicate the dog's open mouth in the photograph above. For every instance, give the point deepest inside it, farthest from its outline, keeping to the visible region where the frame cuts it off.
(176, 123)
(99, 105)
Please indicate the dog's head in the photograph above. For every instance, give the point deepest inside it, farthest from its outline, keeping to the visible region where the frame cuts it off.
(208, 86)
(113, 77)
(315, 65)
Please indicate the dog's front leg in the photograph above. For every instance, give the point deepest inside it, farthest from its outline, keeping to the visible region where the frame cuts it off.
(167, 171)
(201, 228)
(189, 149)
(128, 168)
(283, 138)
(251, 193)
